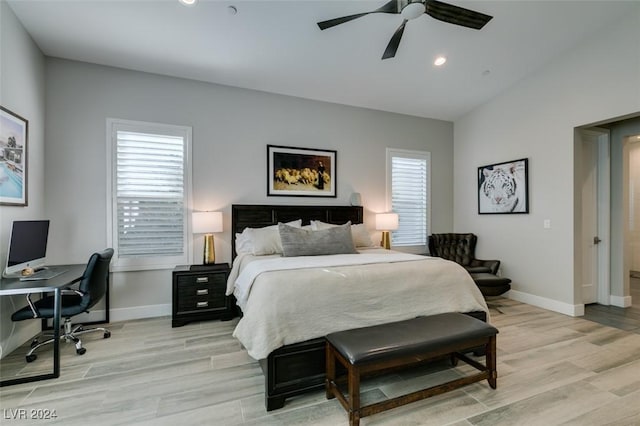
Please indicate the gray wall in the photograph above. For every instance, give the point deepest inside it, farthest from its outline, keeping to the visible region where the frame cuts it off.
(21, 91)
(231, 128)
(595, 81)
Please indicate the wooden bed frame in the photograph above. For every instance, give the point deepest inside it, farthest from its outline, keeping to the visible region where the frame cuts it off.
(298, 368)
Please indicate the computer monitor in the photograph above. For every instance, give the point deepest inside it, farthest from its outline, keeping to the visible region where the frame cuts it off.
(27, 246)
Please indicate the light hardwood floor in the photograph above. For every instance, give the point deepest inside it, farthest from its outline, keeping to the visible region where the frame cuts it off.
(553, 370)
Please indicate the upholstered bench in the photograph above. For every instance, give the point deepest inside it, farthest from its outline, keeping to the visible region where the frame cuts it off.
(383, 347)
(490, 284)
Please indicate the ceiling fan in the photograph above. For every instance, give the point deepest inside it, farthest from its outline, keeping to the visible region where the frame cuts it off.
(411, 9)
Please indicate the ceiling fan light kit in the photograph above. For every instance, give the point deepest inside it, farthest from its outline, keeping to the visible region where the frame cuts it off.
(412, 9)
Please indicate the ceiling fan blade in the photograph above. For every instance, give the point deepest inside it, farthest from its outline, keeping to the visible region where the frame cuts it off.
(391, 7)
(456, 15)
(392, 47)
(337, 21)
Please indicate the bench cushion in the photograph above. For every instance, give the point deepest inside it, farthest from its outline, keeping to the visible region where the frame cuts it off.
(405, 338)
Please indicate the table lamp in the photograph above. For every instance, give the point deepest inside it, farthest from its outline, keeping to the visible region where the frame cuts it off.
(386, 222)
(207, 223)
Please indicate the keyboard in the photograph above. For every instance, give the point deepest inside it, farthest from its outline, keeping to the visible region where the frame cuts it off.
(43, 274)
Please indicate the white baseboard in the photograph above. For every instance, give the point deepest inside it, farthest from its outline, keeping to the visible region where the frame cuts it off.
(550, 304)
(620, 301)
(125, 314)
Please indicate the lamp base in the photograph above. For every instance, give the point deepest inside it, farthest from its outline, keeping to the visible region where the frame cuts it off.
(209, 252)
(386, 240)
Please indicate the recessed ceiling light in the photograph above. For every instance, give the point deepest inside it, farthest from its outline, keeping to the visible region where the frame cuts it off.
(440, 60)
(232, 10)
(188, 2)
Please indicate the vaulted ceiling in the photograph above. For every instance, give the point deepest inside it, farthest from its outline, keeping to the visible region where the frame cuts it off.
(276, 46)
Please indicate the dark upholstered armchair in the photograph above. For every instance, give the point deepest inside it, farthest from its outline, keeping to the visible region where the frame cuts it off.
(460, 248)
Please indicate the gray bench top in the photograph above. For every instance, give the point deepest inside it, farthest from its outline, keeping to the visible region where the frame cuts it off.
(409, 337)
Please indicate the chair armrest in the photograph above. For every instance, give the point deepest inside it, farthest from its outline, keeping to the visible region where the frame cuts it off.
(34, 310)
(493, 265)
(69, 291)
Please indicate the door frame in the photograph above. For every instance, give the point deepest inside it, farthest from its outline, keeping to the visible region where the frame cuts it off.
(601, 137)
(604, 216)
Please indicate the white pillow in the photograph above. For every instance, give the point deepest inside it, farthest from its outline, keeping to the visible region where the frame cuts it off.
(317, 225)
(361, 236)
(262, 241)
(359, 232)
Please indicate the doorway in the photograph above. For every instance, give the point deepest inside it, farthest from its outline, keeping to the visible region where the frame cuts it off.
(622, 207)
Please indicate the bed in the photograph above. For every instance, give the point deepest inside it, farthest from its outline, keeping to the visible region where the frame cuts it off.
(291, 356)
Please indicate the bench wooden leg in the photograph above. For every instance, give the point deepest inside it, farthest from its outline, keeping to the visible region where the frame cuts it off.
(491, 362)
(331, 372)
(354, 395)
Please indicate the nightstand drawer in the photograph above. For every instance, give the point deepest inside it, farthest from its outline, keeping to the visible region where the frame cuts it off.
(217, 279)
(195, 302)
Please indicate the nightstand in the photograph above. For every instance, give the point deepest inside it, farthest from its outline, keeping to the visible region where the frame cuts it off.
(198, 294)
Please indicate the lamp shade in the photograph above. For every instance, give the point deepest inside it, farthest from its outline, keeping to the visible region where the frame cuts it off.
(206, 222)
(386, 221)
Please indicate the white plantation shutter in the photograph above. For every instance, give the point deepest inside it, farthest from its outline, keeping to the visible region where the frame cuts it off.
(408, 196)
(150, 193)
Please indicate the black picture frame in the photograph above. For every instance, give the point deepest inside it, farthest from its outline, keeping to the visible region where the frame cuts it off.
(503, 188)
(294, 172)
(14, 138)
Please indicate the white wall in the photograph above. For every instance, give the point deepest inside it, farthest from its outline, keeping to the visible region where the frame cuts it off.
(597, 80)
(231, 128)
(21, 91)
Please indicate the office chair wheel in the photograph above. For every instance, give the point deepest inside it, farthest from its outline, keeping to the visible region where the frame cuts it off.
(107, 334)
(34, 343)
(81, 351)
(31, 358)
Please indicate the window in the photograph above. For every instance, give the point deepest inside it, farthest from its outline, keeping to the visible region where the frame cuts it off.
(149, 194)
(408, 188)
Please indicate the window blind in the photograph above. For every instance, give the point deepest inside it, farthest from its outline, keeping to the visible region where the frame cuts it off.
(150, 194)
(410, 197)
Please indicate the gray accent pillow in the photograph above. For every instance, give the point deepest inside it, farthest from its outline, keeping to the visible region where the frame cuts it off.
(305, 242)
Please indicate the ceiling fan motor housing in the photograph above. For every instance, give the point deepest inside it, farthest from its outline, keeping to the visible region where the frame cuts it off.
(413, 10)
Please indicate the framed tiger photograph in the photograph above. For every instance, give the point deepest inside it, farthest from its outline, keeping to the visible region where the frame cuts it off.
(503, 188)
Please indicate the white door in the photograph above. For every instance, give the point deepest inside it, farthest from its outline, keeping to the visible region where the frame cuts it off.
(634, 202)
(593, 180)
(590, 238)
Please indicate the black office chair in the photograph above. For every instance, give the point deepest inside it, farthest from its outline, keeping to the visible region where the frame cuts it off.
(93, 286)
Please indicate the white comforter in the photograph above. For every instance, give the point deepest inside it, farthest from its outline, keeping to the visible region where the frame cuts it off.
(290, 300)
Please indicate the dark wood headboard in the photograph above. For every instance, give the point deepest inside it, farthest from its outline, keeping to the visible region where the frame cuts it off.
(259, 216)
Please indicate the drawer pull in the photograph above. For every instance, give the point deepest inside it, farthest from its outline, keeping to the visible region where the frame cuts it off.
(202, 304)
(202, 279)
(202, 291)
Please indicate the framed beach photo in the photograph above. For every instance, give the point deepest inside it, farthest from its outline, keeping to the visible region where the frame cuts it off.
(14, 133)
(300, 172)
(503, 188)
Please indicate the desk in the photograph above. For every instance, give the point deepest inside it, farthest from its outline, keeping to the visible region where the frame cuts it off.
(14, 286)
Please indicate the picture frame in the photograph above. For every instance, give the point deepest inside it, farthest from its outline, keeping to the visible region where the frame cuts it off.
(14, 138)
(503, 188)
(294, 172)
